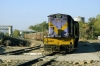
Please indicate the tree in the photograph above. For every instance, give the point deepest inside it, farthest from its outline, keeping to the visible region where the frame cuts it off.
(84, 30)
(81, 29)
(7, 34)
(16, 33)
(31, 27)
(44, 25)
(98, 17)
(39, 27)
(91, 21)
(96, 26)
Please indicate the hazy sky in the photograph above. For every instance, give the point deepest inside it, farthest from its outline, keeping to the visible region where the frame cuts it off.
(23, 13)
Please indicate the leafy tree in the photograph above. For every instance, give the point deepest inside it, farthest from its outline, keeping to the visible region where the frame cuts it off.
(96, 26)
(87, 30)
(91, 21)
(7, 34)
(39, 27)
(84, 30)
(16, 33)
(31, 27)
(81, 29)
(98, 17)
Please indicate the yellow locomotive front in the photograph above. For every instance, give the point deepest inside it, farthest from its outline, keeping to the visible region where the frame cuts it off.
(61, 33)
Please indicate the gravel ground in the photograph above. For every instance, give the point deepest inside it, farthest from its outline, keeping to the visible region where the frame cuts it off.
(87, 54)
(71, 63)
(79, 57)
(56, 63)
(12, 62)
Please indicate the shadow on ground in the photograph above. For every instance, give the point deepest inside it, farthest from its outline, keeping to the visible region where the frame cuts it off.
(87, 47)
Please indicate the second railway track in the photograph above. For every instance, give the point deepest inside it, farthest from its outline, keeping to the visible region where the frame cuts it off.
(79, 57)
(41, 61)
(21, 51)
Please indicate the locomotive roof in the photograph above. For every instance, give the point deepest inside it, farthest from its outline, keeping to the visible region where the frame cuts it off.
(58, 13)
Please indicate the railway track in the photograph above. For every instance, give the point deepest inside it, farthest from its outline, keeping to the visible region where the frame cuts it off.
(84, 55)
(21, 51)
(41, 61)
(75, 58)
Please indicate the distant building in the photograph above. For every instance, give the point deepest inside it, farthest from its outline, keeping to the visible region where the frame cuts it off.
(79, 19)
(27, 31)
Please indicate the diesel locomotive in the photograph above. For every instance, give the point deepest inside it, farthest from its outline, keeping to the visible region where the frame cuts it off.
(63, 33)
